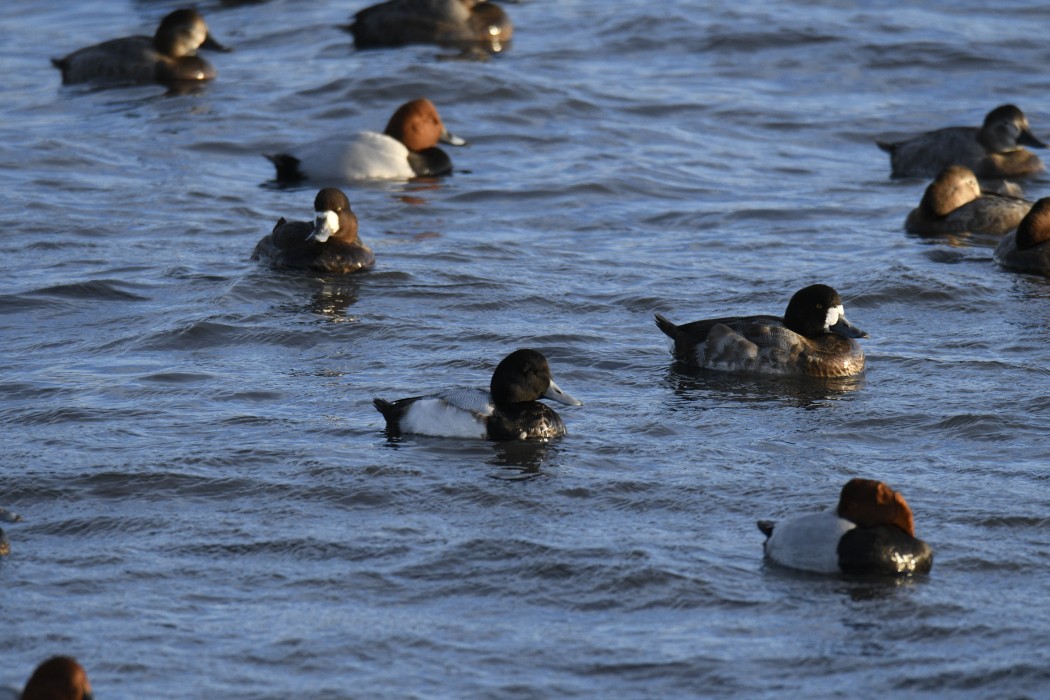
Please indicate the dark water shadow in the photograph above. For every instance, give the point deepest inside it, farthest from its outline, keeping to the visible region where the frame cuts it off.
(521, 460)
(963, 239)
(868, 588)
(516, 460)
(693, 384)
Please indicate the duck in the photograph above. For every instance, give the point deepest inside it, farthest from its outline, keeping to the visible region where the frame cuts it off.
(329, 243)
(456, 23)
(812, 339)
(407, 148)
(1028, 248)
(58, 678)
(870, 532)
(955, 203)
(509, 410)
(995, 150)
(169, 56)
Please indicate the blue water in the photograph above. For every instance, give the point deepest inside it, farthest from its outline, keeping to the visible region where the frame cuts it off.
(211, 507)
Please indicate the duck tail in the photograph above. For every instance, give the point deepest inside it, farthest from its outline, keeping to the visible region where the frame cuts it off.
(890, 148)
(391, 413)
(669, 329)
(287, 167)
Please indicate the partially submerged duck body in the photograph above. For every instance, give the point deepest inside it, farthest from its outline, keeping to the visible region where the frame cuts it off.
(406, 149)
(870, 532)
(812, 339)
(994, 150)
(955, 203)
(456, 23)
(167, 57)
(1028, 248)
(509, 410)
(328, 244)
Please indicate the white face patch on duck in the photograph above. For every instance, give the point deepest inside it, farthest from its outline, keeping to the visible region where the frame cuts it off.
(834, 314)
(325, 224)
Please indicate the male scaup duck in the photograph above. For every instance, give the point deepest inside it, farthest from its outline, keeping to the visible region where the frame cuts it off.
(58, 678)
(1028, 248)
(954, 203)
(813, 338)
(995, 150)
(871, 531)
(169, 56)
(458, 23)
(329, 243)
(406, 149)
(509, 410)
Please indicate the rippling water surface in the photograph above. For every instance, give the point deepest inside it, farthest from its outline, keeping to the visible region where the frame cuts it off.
(211, 508)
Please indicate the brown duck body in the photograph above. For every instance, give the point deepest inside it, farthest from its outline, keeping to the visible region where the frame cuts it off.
(813, 339)
(287, 247)
(954, 203)
(1028, 248)
(330, 244)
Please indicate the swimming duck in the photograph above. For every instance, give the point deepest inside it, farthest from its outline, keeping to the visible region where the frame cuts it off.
(509, 410)
(459, 23)
(813, 338)
(954, 203)
(1028, 248)
(871, 531)
(406, 149)
(327, 244)
(168, 56)
(58, 678)
(995, 150)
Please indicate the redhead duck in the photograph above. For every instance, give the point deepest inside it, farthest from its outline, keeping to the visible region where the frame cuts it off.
(327, 244)
(1028, 248)
(995, 150)
(871, 531)
(813, 338)
(406, 149)
(58, 678)
(509, 410)
(168, 56)
(458, 23)
(954, 203)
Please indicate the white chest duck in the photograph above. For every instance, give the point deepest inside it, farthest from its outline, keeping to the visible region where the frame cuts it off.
(871, 531)
(407, 148)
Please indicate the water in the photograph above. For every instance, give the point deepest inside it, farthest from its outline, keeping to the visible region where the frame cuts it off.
(211, 508)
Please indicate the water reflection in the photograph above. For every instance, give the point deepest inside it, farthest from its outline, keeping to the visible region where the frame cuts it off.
(334, 297)
(520, 459)
(805, 392)
(516, 460)
(962, 239)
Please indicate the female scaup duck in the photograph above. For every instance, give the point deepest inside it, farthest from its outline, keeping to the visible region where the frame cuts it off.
(871, 531)
(509, 410)
(168, 56)
(58, 678)
(1028, 248)
(327, 244)
(406, 149)
(813, 338)
(459, 23)
(954, 203)
(994, 150)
